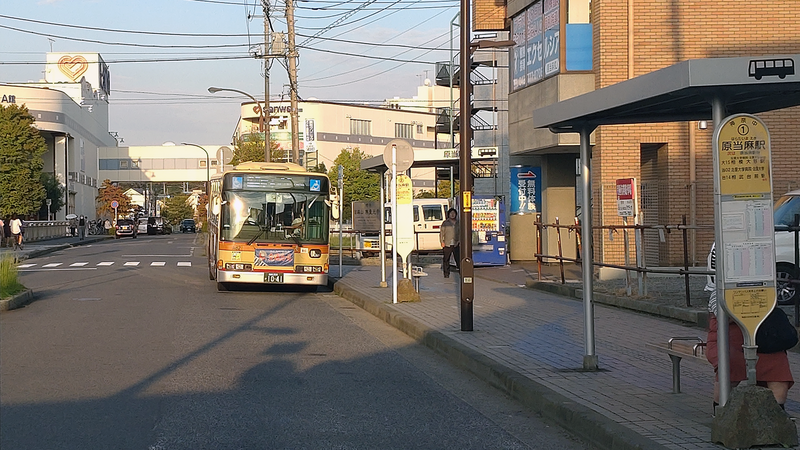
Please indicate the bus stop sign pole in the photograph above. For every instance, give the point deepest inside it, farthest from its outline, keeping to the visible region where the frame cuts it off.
(341, 214)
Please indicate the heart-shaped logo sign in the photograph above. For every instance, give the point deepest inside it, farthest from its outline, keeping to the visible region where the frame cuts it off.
(73, 66)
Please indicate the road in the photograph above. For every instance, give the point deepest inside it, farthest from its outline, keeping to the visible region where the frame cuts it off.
(130, 346)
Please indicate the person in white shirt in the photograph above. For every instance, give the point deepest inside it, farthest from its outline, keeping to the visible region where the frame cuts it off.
(16, 231)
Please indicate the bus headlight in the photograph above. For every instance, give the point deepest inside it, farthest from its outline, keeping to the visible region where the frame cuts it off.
(315, 253)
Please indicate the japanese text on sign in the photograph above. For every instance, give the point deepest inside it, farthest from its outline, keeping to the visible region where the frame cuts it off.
(743, 157)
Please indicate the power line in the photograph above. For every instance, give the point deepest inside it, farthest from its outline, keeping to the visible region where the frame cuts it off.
(92, 41)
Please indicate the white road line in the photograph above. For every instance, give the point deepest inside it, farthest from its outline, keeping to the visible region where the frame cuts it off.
(157, 263)
(58, 270)
(184, 264)
(157, 256)
(78, 264)
(131, 263)
(106, 263)
(25, 266)
(51, 265)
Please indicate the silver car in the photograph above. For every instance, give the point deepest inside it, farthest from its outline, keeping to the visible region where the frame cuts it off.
(787, 268)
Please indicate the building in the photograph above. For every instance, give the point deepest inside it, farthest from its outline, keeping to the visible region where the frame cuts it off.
(565, 48)
(161, 170)
(71, 110)
(326, 128)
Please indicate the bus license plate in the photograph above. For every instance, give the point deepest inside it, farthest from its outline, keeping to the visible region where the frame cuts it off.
(273, 278)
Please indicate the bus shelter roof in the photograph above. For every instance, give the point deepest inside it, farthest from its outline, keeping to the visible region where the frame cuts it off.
(681, 92)
(439, 157)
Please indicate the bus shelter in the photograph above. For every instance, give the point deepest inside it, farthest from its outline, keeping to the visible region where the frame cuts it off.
(700, 89)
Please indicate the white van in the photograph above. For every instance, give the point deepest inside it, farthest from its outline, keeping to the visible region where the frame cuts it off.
(429, 213)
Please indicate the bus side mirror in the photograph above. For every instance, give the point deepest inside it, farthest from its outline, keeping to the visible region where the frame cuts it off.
(334, 204)
(215, 209)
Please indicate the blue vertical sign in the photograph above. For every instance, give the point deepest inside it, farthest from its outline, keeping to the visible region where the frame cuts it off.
(526, 189)
(533, 34)
(518, 52)
(552, 42)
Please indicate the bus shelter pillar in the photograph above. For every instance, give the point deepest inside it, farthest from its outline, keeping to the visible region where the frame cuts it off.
(590, 360)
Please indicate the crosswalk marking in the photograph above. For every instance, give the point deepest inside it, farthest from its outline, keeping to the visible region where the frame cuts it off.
(81, 264)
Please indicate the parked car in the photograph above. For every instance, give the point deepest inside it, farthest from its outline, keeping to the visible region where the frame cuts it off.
(188, 226)
(157, 225)
(126, 227)
(142, 225)
(787, 269)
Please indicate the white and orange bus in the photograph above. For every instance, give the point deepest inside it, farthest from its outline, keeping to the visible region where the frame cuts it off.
(268, 223)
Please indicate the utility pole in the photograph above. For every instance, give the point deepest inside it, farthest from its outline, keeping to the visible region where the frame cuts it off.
(293, 83)
(267, 49)
(467, 291)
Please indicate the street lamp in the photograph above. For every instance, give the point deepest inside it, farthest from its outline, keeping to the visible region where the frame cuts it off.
(261, 115)
(208, 162)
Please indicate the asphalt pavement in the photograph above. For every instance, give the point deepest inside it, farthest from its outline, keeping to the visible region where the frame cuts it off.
(529, 343)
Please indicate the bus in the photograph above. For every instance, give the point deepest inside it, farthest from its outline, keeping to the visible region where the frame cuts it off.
(268, 223)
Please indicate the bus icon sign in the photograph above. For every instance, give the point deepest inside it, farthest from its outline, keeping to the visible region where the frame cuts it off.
(779, 67)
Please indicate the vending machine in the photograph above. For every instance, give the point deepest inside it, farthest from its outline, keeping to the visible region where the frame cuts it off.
(488, 231)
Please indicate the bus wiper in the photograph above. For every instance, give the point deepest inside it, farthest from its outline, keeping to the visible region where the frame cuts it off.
(261, 230)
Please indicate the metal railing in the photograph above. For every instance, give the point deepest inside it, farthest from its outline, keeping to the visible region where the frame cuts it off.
(40, 230)
(640, 268)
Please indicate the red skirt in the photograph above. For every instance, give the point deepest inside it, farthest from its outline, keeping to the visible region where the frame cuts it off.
(769, 367)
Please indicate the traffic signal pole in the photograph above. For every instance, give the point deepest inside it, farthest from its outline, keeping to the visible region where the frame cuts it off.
(467, 286)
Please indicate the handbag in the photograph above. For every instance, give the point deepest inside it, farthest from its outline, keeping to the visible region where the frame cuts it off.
(776, 333)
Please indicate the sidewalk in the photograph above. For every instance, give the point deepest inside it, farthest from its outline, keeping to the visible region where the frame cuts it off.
(529, 343)
(38, 248)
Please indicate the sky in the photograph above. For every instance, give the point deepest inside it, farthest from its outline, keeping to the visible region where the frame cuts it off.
(350, 51)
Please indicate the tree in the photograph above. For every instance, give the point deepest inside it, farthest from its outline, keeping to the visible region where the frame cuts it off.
(55, 193)
(319, 168)
(21, 150)
(177, 208)
(444, 188)
(253, 150)
(358, 184)
(108, 193)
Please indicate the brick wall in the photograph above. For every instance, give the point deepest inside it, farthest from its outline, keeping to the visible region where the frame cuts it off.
(665, 33)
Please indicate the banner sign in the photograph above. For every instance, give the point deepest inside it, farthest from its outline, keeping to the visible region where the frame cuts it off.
(526, 189)
(533, 33)
(552, 43)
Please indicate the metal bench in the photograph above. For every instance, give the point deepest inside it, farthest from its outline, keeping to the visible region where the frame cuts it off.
(416, 274)
(678, 349)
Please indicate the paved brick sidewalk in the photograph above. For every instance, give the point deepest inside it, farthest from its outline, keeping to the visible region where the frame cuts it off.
(530, 343)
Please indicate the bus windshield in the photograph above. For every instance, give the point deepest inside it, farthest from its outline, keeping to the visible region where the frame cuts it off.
(274, 217)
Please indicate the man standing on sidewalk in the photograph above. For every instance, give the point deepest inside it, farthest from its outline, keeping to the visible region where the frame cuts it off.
(448, 237)
(82, 227)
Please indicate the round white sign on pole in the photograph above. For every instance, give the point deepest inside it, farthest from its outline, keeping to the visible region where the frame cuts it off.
(404, 154)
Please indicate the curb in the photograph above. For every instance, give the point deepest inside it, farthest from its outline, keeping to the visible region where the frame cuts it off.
(589, 425)
(694, 317)
(17, 300)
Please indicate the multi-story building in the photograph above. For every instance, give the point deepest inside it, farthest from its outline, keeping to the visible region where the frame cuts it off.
(326, 128)
(71, 110)
(565, 48)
